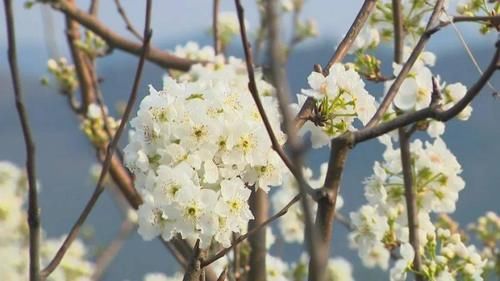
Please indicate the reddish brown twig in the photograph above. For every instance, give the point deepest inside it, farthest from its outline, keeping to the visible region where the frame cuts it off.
(33, 211)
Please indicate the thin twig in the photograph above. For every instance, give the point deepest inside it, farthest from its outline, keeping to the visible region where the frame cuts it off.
(114, 40)
(351, 35)
(242, 238)
(393, 90)
(107, 256)
(411, 200)
(215, 26)
(109, 153)
(33, 211)
(128, 24)
(325, 213)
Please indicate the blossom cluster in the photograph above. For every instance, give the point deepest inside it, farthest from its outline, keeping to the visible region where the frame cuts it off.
(98, 127)
(381, 225)
(487, 230)
(197, 148)
(14, 246)
(341, 98)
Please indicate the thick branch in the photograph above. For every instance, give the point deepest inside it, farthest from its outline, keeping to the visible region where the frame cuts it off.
(83, 71)
(113, 39)
(353, 32)
(393, 90)
(215, 26)
(33, 211)
(411, 200)
(325, 214)
(259, 204)
(109, 153)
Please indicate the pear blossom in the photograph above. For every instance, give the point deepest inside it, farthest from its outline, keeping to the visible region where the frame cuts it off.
(341, 98)
(197, 149)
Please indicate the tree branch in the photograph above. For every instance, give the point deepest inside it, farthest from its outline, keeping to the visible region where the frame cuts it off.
(353, 32)
(33, 211)
(259, 204)
(411, 200)
(114, 40)
(109, 153)
(398, 31)
(325, 214)
(193, 272)
(393, 90)
(215, 26)
(83, 72)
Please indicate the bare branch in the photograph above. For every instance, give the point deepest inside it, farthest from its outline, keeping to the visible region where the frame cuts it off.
(259, 205)
(393, 90)
(128, 24)
(109, 153)
(33, 211)
(215, 27)
(353, 32)
(114, 40)
(411, 200)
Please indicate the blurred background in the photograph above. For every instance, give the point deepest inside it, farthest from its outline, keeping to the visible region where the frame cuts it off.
(64, 156)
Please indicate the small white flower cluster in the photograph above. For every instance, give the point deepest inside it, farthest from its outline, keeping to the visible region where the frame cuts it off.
(415, 92)
(14, 245)
(196, 149)
(291, 225)
(341, 98)
(487, 230)
(64, 74)
(381, 225)
(94, 126)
